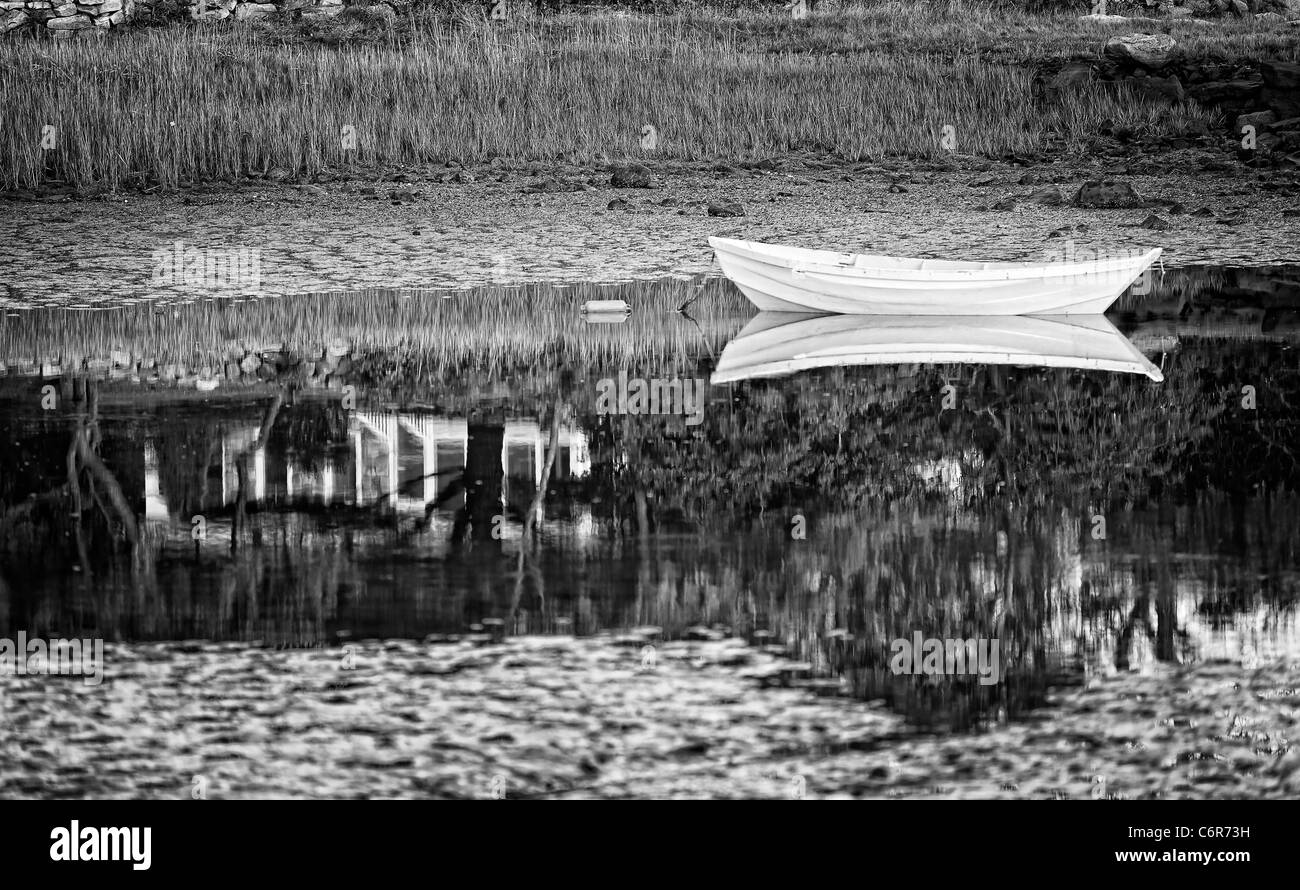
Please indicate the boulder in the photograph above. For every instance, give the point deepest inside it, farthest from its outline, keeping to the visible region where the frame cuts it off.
(245, 11)
(1048, 194)
(1236, 94)
(1281, 90)
(1239, 8)
(1159, 88)
(1075, 75)
(12, 20)
(70, 23)
(1151, 51)
(632, 176)
(726, 208)
(1257, 119)
(1108, 193)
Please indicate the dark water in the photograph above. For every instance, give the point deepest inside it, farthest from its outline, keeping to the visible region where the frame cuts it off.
(1094, 522)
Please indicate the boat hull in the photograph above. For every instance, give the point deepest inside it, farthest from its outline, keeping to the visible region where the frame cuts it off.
(777, 343)
(783, 279)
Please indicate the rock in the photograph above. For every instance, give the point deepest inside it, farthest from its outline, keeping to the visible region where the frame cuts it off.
(70, 23)
(1258, 119)
(1007, 203)
(1075, 75)
(1240, 94)
(246, 11)
(211, 15)
(1203, 212)
(1108, 193)
(206, 384)
(1167, 88)
(632, 176)
(618, 204)
(550, 185)
(1048, 194)
(1291, 123)
(1269, 17)
(1101, 19)
(1281, 90)
(250, 363)
(13, 19)
(464, 177)
(1154, 222)
(1239, 8)
(1151, 51)
(726, 209)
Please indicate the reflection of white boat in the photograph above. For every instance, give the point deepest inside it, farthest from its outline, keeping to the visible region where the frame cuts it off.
(792, 279)
(776, 343)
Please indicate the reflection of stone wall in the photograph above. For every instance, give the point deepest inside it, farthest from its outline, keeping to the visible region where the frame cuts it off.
(91, 18)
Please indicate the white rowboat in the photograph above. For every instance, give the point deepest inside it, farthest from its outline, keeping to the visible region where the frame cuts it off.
(776, 343)
(791, 279)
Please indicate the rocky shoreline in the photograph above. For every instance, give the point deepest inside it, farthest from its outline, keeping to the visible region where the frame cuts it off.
(453, 226)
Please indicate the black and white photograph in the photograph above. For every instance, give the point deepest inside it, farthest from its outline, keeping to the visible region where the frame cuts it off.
(872, 400)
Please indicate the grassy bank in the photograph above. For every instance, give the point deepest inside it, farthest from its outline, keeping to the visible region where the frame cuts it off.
(163, 106)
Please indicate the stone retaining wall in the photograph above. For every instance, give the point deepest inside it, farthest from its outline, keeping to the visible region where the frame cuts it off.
(93, 18)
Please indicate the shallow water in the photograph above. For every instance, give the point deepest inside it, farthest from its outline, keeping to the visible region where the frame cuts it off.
(378, 601)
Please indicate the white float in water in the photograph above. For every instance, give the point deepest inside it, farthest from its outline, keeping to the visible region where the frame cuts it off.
(606, 311)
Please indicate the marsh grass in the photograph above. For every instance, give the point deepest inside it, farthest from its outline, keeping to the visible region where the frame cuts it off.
(165, 106)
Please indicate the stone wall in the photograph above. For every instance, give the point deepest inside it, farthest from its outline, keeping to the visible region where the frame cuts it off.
(64, 19)
(92, 18)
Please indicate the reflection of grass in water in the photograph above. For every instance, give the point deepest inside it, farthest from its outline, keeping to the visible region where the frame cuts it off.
(484, 328)
(131, 111)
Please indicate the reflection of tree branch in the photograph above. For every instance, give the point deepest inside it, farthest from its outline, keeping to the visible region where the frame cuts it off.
(90, 460)
(539, 500)
(74, 492)
(243, 468)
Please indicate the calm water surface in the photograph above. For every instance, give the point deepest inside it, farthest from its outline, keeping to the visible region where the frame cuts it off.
(309, 475)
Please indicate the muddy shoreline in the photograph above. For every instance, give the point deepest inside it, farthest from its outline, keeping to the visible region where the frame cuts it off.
(503, 225)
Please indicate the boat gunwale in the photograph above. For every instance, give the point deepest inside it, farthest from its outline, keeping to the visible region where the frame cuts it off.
(1001, 271)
